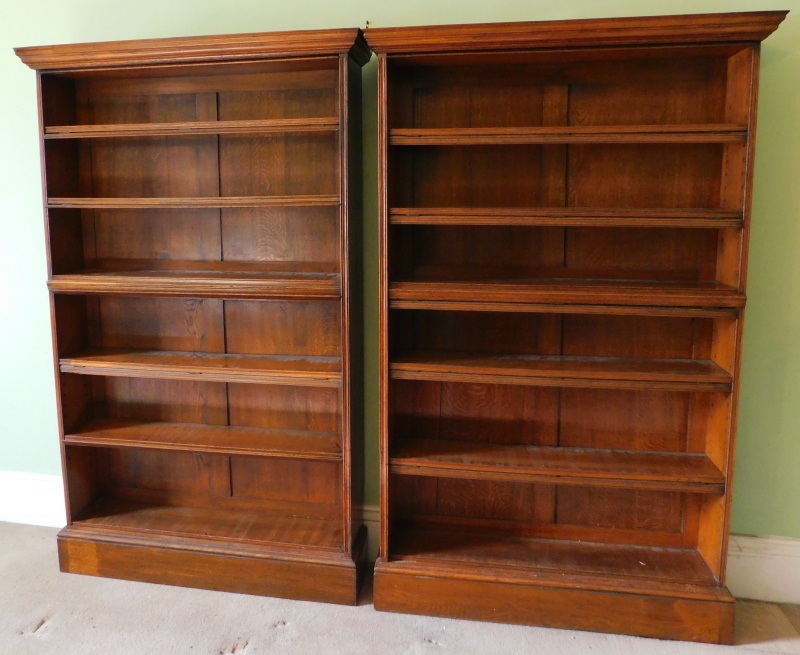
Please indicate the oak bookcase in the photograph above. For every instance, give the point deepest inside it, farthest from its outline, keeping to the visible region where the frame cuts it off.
(564, 226)
(202, 200)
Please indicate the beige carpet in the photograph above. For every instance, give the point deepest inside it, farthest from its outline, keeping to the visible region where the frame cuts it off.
(43, 611)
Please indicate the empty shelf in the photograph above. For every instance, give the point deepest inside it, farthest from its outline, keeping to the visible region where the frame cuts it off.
(226, 524)
(201, 283)
(192, 128)
(529, 556)
(191, 202)
(474, 460)
(566, 291)
(222, 439)
(212, 367)
(567, 216)
(567, 134)
(561, 371)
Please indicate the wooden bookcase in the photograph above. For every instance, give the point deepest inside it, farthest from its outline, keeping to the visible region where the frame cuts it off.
(564, 216)
(202, 201)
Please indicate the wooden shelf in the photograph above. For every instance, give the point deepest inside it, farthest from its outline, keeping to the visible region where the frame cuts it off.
(573, 134)
(530, 556)
(559, 308)
(201, 283)
(225, 524)
(202, 438)
(556, 371)
(475, 460)
(213, 202)
(193, 128)
(567, 216)
(469, 294)
(210, 367)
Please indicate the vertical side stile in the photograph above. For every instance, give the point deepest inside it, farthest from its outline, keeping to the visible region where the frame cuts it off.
(383, 144)
(747, 205)
(355, 286)
(54, 336)
(344, 264)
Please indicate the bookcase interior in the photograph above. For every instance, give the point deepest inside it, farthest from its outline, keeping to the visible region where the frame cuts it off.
(198, 201)
(564, 239)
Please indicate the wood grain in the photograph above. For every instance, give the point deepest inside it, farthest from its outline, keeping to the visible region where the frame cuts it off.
(200, 284)
(572, 291)
(290, 407)
(227, 440)
(226, 525)
(292, 327)
(555, 603)
(476, 460)
(564, 224)
(211, 367)
(189, 128)
(577, 134)
(609, 372)
(636, 562)
(650, 30)
(576, 216)
(199, 195)
(319, 576)
(197, 49)
(156, 400)
(559, 308)
(182, 203)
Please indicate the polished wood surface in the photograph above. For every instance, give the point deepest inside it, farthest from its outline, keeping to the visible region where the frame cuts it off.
(698, 28)
(228, 48)
(578, 134)
(425, 590)
(564, 210)
(573, 290)
(577, 216)
(450, 547)
(201, 284)
(223, 524)
(286, 125)
(181, 203)
(561, 371)
(161, 364)
(220, 566)
(188, 437)
(629, 469)
(199, 197)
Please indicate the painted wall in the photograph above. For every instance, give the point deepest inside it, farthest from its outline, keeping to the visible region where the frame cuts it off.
(767, 481)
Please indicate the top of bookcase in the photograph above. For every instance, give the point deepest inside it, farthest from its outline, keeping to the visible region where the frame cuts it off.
(647, 30)
(196, 49)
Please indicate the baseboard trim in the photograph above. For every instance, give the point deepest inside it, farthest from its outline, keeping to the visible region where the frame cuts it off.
(764, 568)
(32, 498)
(760, 568)
(370, 516)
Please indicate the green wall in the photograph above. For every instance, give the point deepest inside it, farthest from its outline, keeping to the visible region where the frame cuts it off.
(767, 483)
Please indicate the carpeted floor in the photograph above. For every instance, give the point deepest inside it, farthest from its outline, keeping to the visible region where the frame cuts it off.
(43, 611)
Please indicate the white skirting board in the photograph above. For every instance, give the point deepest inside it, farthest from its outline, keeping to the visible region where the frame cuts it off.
(32, 498)
(761, 568)
(371, 517)
(764, 568)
